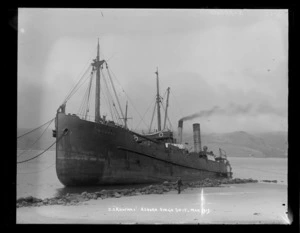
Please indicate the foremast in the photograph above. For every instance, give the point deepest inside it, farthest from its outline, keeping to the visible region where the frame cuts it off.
(158, 102)
(167, 105)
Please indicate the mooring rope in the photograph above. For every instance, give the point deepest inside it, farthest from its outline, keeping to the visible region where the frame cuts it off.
(36, 128)
(45, 149)
(37, 138)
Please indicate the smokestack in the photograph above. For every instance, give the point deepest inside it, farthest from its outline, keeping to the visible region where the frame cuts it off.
(197, 137)
(180, 125)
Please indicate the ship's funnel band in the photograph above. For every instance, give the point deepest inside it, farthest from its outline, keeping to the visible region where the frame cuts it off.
(197, 137)
(180, 125)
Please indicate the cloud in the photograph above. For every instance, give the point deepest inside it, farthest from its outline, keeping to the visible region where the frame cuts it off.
(207, 59)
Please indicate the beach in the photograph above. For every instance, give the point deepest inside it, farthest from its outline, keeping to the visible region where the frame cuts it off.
(246, 203)
(117, 108)
(256, 203)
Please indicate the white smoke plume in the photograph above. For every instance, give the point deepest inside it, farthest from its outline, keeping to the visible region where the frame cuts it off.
(235, 109)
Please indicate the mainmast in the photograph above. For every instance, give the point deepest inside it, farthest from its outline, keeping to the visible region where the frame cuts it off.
(97, 102)
(96, 66)
(167, 105)
(158, 102)
(125, 120)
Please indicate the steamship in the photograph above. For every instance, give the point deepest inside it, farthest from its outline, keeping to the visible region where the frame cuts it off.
(102, 152)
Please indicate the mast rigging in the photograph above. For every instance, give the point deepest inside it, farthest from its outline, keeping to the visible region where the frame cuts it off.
(97, 65)
(158, 102)
(115, 92)
(88, 98)
(167, 105)
(126, 117)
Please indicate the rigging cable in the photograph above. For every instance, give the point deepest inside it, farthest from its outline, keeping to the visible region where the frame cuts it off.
(88, 100)
(129, 99)
(152, 117)
(120, 119)
(142, 118)
(111, 82)
(81, 107)
(88, 63)
(35, 128)
(167, 116)
(105, 98)
(37, 138)
(109, 95)
(118, 116)
(155, 105)
(74, 91)
(45, 149)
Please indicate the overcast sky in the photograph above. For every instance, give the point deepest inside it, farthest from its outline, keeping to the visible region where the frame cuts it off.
(208, 58)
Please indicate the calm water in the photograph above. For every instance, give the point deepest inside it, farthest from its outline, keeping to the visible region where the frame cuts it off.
(38, 177)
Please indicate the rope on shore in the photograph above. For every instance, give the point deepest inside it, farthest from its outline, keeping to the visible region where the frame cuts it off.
(36, 128)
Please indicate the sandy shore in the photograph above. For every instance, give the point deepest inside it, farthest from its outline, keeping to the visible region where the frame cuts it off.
(255, 203)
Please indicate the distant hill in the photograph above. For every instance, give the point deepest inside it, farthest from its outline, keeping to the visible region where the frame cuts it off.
(243, 144)
(28, 141)
(237, 144)
(277, 140)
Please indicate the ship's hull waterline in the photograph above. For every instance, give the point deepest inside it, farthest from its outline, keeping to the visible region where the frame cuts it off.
(101, 154)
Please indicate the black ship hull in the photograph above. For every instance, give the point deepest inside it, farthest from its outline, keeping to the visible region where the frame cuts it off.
(100, 154)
